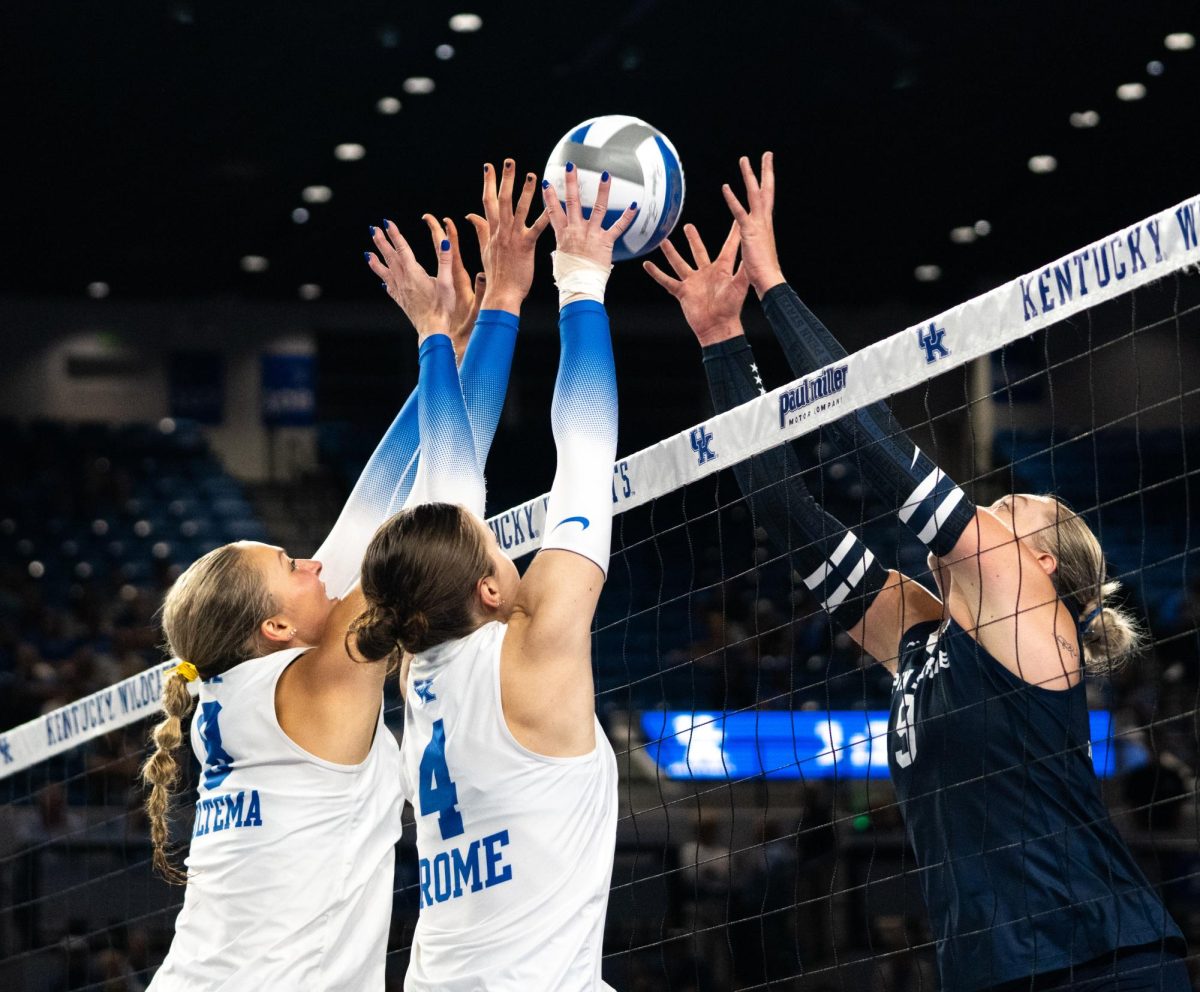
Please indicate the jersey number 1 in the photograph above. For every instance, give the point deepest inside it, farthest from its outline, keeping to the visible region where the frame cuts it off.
(438, 793)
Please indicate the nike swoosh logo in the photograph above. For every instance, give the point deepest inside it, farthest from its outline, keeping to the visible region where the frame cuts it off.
(578, 520)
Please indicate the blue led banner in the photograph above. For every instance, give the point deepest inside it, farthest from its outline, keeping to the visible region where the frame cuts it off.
(809, 744)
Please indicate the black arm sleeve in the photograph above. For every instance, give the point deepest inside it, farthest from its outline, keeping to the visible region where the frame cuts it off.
(925, 498)
(837, 567)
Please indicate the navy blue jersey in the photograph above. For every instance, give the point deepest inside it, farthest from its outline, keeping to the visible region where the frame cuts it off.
(1022, 870)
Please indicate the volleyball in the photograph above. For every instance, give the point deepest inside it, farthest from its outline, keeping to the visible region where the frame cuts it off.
(645, 170)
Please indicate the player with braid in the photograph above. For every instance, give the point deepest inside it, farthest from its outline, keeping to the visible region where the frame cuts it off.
(289, 881)
(1027, 882)
(512, 780)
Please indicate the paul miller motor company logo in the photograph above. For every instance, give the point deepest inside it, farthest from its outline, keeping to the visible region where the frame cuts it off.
(822, 386)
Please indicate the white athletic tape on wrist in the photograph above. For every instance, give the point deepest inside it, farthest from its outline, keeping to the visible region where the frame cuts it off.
(578, 278)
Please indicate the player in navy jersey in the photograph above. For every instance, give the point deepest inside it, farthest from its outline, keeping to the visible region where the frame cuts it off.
(1027, 882)
(298, 800)
(512, 780)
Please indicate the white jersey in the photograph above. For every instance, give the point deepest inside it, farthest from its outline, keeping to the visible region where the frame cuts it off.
(516, 849)
(291, 863)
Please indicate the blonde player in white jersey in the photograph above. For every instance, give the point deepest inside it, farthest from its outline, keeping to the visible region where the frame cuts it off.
(513, 783)
(298, 805)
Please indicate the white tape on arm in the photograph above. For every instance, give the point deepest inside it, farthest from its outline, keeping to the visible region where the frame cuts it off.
(578, 278)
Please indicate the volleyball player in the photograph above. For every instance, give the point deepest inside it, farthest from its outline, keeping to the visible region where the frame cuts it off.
(298, 805)
(513, 783)
(1027, 882)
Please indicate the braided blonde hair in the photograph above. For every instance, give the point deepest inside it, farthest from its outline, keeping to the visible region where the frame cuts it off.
(211, 618)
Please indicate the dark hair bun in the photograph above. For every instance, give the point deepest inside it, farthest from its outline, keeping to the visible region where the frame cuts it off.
(377, 631)
(414, 629)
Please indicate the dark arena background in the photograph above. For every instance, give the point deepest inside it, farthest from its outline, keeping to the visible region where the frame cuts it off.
(195, 353)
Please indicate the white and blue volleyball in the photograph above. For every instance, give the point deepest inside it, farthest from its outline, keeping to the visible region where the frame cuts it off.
(645, 170)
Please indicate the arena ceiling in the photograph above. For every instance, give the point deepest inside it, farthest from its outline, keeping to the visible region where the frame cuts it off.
(153, 145)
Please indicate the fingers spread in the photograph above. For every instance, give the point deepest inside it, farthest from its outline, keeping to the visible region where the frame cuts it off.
(654, 272)
(521, 214)
(574, 211)
(621, 224)
(600, 207)
(699, 252)
(435, 230)
(392, 233)
(768, 181)
(748, 177)
(490, 209)
(682, 269)
(482, 231)
(377, 266)
(506, 188)
(730, 247)
(735, 205)
(553, 209)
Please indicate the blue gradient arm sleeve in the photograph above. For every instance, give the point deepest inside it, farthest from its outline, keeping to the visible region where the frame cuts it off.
(484, 375)
(583, 416)
(449, 471)
(925, 498)
(367, 507)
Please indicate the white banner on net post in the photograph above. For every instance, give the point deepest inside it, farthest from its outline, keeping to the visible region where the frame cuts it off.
(1103, 270)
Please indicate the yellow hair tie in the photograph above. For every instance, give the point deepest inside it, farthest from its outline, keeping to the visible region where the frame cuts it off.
(187, 670)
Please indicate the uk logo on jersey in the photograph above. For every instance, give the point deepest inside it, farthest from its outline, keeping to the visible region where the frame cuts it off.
(701, 439)
(930, 339)
(424, 690)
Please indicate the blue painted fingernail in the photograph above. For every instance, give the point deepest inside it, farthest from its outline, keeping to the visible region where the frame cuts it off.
(604, 176)
(386, 225)
(367, 256)
(445, 245)
(383, 284)
(570, 166)
(633, 206)
(371, 230)
(545, 184)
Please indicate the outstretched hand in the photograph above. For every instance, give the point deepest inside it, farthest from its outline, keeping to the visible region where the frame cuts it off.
(756, 224)
(506, 244)
(429, 301)
(712, 293)
(577, 235)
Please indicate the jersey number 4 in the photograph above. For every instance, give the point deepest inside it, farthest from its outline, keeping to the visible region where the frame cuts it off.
(439, 794)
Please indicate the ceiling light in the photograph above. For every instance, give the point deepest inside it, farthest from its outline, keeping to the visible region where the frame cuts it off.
(300, 215)
(349, 151)
(1041, 164)
(1085, 118)
(97, 290)
(309, 291)
(962, 235)
(466, 23)
(388, 105)
(927, 273)
(418, 85)
(983, 228)
(316, 194)
(1131, 91)
(444, 52)
(1180, 41)
(254, 263)
(1155, 68)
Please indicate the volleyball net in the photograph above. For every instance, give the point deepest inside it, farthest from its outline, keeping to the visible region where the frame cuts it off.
(760, 843)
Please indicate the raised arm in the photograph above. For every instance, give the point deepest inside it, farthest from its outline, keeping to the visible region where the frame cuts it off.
(328, 700)
(546, 672)
(997, 587)
(838, 569)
